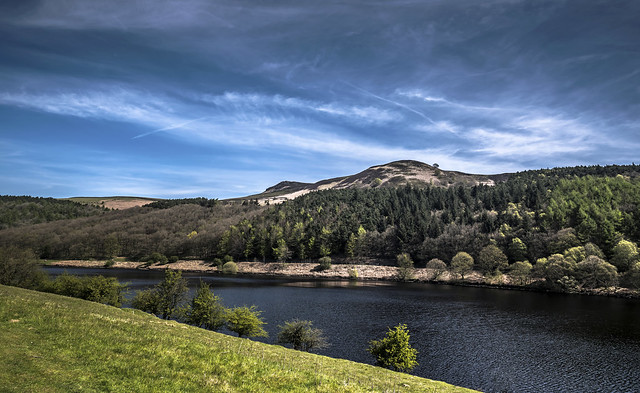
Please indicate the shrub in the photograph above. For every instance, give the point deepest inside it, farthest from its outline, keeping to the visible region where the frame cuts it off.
(353, 274)
(394, 350)
(325, 264)
(109, 263)
(594, 272)
(246, 321)
(163, 299)
(173, 259)
(20, 268)
(227, 258)
(106, 290)
(438, 266)
(230, 268)
(217, 262)
(302, 335)
(405, 267)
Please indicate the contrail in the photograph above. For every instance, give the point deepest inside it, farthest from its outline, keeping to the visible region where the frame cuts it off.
(410, 109)
(169, 128)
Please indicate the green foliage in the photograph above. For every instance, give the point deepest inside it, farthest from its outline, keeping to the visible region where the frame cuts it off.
(625, 254)
(517, 250)
(301, 335)
(325, 264)
(438, 266)
(631, 279)
(353, 274)
(405, 267)
(593, 272)
(461, 264)
(16, 211)
(394, 351)
(206, 309)
(163, 299)
(575, 254)
(147, 300)
(246, 322)
(156, 257)
(19, 268)
(168, 203)
(100, 289)
(281, 252)
(558, 272)
(230, 268)
(521, 272)
(491, 259)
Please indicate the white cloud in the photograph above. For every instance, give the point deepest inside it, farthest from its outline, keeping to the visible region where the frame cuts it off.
(426, 97)
(535, 136)
(266, 103)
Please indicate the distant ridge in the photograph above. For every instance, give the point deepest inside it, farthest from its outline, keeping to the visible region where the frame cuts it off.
(393, 174)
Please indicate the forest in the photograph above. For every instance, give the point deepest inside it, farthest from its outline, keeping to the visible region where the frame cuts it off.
(545, 221)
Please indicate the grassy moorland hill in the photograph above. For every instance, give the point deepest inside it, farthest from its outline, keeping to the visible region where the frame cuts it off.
(393, 174)
(60, 344)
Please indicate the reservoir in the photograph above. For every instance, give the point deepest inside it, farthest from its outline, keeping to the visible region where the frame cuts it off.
(486, 339)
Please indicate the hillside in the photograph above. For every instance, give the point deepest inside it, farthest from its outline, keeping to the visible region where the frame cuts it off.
(61, 344)
(393, 174)
(16, 211)
(564, 215)
(115, 202)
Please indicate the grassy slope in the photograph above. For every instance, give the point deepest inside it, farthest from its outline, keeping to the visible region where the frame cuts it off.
(58, 344)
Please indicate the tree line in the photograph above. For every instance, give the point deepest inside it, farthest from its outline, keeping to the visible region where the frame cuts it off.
(531, 217)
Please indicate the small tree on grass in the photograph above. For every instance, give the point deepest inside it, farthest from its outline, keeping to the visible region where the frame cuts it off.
(302, 335)
(246, 321)
(206, 310)
(394, 350)
(164, 298)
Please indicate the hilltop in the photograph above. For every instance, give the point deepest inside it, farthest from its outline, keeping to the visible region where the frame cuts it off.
(393, 174)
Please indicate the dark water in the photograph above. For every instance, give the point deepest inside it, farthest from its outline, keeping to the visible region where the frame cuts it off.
(486, 339)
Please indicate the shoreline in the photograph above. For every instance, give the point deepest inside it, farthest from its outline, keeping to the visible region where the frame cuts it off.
(366, 272)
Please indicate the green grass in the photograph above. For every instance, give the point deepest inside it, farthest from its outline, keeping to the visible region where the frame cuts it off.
(53, 343)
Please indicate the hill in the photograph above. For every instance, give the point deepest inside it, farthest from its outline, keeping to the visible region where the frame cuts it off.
(393, 174)
(18, 211)
(61, 344)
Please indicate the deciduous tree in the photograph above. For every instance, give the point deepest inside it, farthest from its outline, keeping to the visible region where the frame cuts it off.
(394, 351)
(301, 335)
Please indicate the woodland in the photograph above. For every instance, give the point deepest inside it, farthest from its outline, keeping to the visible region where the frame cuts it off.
(576, 226)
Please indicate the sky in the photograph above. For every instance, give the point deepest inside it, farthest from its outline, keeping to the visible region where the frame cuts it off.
(188, 98)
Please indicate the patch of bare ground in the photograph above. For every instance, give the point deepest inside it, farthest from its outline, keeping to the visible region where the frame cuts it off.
(121, 204)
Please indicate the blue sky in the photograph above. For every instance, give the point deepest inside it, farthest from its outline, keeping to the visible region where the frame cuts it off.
(168, 98)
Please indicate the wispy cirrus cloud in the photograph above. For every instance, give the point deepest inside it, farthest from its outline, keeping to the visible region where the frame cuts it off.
(535, 137)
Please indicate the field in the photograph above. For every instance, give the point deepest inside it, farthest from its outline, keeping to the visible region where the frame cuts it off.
(60, 344)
